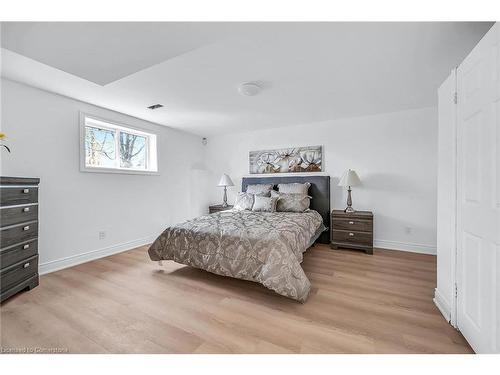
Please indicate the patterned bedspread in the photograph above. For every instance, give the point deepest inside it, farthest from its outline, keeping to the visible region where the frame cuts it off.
(263, 247)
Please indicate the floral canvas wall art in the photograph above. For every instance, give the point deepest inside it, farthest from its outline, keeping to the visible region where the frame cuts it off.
(287, 160)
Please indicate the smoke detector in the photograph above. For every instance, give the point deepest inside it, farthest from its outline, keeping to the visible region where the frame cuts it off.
(249, 89)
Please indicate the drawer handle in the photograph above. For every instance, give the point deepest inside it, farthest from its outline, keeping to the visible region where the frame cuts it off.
(26, 265)
(26, 209)
(351, 234)
(26, 191)
(26, 246)
(351, 222)
(27, 227)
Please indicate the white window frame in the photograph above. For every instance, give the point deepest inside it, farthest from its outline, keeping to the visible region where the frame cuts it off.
(151, 149)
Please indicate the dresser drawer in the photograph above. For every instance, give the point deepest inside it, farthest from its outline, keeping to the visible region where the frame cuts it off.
(18, 272)
(359, 225)
(18, 214)
(362, 238)
(18, 195)
(17, 253)
(18, 233)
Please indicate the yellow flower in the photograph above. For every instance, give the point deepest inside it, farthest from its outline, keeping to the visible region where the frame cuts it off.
(2, 135)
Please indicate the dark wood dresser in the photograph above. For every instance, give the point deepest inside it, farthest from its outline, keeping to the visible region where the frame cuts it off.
(218, 208)
(18, 235)
(352, 230)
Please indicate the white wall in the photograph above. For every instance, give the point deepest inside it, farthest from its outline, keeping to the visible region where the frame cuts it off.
(43, 133)
(395, 155)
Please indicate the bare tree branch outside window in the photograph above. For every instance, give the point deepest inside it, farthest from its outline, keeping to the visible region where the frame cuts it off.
(132, 150)
(99, 144)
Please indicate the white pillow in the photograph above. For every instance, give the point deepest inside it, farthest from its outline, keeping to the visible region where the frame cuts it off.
(244, 201)
(260, 189)
(264, 204)
(294, 188)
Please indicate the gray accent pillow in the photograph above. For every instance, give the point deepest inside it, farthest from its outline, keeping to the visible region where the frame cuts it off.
(264, 204)
(244, 201)
(291, 202)
(260, 189)
(294, 188)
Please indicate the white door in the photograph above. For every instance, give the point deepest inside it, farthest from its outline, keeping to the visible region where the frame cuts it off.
(478, 194)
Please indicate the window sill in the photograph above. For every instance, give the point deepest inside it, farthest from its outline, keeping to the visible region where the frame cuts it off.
(118, 171)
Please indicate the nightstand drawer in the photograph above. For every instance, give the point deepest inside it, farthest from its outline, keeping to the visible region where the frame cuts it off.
(362, 238)
(359, 225)
(218, 208)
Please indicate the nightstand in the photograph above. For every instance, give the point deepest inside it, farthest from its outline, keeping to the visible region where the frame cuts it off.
(352, 230)
(218, 208)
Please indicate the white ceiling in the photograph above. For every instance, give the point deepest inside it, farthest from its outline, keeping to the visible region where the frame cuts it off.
(309, 71)
(105, 52)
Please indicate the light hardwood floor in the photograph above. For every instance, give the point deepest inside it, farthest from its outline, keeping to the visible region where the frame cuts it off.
(127, 304)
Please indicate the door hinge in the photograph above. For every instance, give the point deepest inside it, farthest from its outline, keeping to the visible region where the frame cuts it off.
(455, 98)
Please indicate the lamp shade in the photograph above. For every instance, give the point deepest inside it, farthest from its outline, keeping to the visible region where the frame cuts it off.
(225, 180)
(349, 178)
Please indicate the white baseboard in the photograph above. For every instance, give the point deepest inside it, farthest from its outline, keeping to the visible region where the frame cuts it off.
(405, 246)
(59, 264)
(442, 305)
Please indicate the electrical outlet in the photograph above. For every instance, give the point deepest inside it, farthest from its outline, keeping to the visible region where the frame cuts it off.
(408, 230)
(102, 235)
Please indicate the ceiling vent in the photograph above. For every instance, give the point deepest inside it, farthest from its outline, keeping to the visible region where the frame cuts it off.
(155, 106)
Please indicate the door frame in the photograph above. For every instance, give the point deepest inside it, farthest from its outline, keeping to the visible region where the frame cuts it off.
(444, 298)
(454, 252)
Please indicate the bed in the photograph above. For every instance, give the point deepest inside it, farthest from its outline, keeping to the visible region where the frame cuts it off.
(264, 247)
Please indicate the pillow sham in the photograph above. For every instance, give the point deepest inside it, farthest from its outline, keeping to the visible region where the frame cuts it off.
(260, 189)
(244, 201)
(294, 188)
(291, 202)
(264, 204)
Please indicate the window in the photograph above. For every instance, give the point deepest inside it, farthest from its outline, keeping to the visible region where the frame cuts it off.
(109, 147)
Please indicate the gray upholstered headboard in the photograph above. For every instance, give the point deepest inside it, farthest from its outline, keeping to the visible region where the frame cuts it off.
(319, 191)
